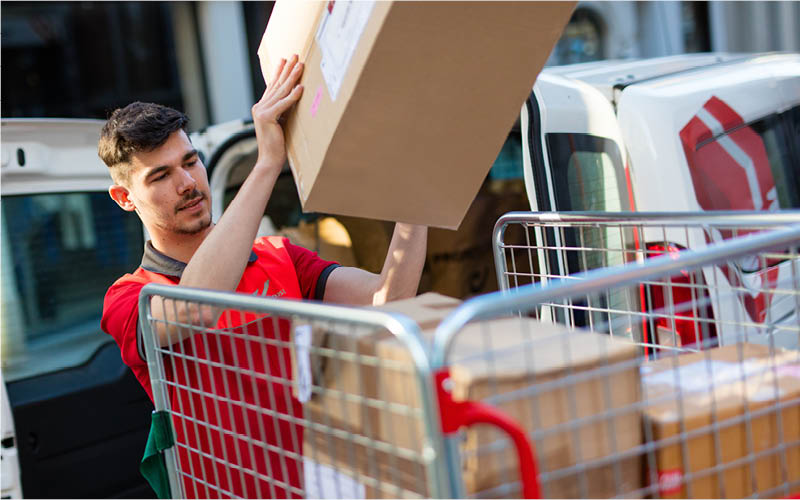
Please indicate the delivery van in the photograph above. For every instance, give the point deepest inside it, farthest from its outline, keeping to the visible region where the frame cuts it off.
(695, 132)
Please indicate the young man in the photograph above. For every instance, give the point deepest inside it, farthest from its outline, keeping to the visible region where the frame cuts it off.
(157, 173)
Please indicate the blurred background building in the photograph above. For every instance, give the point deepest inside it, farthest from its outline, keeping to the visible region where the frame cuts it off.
(84, 59)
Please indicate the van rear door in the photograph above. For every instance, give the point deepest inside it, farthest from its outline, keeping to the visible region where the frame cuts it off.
(727, 138)
(574, 160)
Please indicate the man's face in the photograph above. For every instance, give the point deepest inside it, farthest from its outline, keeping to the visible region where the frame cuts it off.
(169, 187)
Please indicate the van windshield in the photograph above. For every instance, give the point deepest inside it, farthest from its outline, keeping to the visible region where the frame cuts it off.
(61, 252)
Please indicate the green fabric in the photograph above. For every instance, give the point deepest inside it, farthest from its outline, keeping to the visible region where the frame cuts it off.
(153, 466)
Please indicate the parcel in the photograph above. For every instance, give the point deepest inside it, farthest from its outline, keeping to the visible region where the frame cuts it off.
(405, 105)
(738, 406)
(576, 394)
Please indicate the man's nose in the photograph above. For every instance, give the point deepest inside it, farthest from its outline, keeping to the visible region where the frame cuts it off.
(185, 181)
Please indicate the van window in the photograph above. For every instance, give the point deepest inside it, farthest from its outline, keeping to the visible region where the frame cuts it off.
(588, 173)
(61, 252)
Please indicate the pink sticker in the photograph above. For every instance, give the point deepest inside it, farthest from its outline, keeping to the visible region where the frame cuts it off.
(789, 371)
(317, 99)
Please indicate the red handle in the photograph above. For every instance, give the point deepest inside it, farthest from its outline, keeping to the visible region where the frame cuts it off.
(457, 414)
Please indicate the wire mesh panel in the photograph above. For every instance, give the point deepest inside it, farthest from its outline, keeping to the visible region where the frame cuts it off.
(681, 311)
(613, 413)
(285, 399)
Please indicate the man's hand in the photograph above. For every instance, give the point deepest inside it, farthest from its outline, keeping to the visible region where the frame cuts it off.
(281, 93)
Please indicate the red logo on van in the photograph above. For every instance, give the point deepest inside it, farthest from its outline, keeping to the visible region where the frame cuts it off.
(730, 171)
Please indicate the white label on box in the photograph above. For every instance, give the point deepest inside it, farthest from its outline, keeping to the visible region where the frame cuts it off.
(702, 375)
(340, 28)
(302, 343)
(322, 481)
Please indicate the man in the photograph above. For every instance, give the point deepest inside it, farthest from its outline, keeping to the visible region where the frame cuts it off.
(158, 174)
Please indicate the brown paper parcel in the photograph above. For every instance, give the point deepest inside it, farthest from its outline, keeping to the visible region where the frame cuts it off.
(378, 398)
(405, 104)
(709, 392)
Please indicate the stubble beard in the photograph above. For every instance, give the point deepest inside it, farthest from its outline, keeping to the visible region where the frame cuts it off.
(197, 226)
(194, 227)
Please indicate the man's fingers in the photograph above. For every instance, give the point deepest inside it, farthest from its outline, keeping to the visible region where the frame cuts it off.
(287, 70)
(275, 75)
(291, 82)
(287, 102)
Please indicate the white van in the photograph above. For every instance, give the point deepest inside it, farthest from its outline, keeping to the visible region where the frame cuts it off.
(75, 419)
(683, 133)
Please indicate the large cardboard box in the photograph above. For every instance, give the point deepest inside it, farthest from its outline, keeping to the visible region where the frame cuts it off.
(576, 391)
(406, 104)
(728, 400)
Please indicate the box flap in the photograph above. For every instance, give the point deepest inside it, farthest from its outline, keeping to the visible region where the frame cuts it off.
(727, 376)
(288, 32)
(516, 348)
(428, 309)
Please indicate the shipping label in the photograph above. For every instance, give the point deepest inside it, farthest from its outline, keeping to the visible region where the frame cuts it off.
(703, 375)
(322, 481)
(341, 27)
(302, 341)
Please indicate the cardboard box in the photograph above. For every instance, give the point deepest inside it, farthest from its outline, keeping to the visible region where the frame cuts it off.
(326, 236)
(373, 394)
(461, 263)
(730, 380)
(406, 104)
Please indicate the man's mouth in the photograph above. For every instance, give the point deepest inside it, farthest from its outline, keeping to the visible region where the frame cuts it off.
(191, 203)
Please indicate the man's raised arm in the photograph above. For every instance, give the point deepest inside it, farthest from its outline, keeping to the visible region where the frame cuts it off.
(399, 278)
(220, 260)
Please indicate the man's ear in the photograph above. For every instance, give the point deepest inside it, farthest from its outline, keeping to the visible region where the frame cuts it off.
(121, 195)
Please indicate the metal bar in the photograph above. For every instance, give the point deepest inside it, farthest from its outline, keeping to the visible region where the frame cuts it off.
(723, 218)
(160, 397)
(404, 329)
(525, 297)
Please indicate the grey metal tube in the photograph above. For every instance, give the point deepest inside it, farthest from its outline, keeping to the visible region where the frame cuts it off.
(499, 303)
(160, 396)
(722, 218)
(402, 327)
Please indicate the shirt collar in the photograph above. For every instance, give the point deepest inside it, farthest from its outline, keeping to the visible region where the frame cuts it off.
(157, 262)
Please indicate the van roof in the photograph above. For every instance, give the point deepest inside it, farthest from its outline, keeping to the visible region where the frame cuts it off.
(606, 76)
(51, 155)
(773, 66)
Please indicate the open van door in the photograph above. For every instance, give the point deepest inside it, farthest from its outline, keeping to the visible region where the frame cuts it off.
(78, 419)
(730, 137)
(574, 160)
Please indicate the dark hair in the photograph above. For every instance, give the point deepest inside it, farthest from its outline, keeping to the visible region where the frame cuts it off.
(138, 127)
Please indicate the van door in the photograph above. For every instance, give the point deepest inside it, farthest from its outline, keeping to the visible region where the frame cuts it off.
(80, 417)
(727, 140)
(574, 160)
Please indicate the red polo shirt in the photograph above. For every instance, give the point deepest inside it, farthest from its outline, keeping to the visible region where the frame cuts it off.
(236, 386)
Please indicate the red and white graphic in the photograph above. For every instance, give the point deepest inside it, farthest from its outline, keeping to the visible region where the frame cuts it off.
(732, 172)
(669, 481)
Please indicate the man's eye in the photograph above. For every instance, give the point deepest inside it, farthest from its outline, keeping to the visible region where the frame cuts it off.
(192, 163)
(160, 177)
